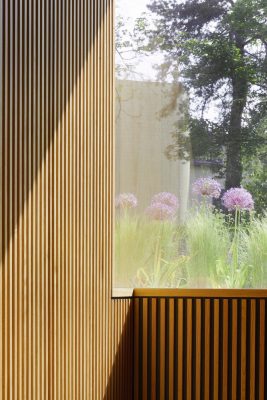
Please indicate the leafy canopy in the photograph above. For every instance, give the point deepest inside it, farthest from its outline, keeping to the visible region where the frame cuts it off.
(210, 45)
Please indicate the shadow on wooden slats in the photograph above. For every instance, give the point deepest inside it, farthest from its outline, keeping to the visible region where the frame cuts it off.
(58, 328)
(121, 380)
(42, 62)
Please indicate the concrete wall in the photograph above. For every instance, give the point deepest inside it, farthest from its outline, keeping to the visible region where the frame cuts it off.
(142, 136)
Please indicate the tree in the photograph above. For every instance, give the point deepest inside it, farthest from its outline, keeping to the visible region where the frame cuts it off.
(218, 49)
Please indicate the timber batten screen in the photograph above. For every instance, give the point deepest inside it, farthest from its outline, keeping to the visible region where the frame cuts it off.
(61, 336)
(205, 345)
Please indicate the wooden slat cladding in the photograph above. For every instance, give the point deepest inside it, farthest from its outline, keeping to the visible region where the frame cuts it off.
(61, 336)
(200, 348)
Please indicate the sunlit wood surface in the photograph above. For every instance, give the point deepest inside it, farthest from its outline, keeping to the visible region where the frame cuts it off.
(61, 336)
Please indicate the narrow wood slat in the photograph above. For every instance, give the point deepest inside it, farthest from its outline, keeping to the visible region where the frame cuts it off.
(145, 344)
(2, 197)
(181, 348)
(216, 350)
(262, 347)
(154, 334)
(199, 353)
(243, 347)
(252, 349)
(225, 351)
(171, 350)
(235, 339)
(189, 350)
(162, 365)
(207, 350)
(136, 349)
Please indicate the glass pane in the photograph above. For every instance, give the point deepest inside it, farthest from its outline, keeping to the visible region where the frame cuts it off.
(191, 128)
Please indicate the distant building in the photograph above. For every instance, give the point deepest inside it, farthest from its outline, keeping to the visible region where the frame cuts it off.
(146, 116)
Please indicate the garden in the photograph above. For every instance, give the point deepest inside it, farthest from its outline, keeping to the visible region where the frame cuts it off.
(217, 247)
(206, 62)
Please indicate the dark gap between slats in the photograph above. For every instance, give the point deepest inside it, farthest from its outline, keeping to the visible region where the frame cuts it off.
(184, 348)
(149, 352)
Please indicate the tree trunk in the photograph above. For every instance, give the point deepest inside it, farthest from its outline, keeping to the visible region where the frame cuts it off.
(234, 167)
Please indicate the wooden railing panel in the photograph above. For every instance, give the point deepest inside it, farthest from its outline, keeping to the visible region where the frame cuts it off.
(207, 347)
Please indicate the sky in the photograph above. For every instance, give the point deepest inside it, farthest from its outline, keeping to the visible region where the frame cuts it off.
(143, 66)
(131, 8)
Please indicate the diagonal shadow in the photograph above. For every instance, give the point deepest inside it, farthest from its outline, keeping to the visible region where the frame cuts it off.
(41, 63)
(120, 383)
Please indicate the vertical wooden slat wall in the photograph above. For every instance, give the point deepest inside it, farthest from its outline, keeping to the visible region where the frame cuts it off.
(61, 336)
(200, 345)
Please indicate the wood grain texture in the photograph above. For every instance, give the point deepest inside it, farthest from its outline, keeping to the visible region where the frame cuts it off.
(61, 335)
(214, 347)
(201, 293)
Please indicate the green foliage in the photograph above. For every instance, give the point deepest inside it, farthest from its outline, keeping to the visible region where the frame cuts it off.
(256, 184)
(256, 246)
(234, 273)
(218, 50)
(255, 168)
(147, 252)
(208, 241)
(206, 139)
(208, 39)
(211, 250)
(217, 255)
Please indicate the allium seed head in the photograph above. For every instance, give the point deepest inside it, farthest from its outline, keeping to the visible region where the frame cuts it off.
(237, 198)
(169, 199)
(161, 212)
(125, 201)
(207, 187)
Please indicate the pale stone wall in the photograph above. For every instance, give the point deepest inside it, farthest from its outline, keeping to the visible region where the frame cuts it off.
(142, 136)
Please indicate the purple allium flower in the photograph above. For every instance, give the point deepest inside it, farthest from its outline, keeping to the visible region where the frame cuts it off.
(126, 200)
(169, 199)
(237, 198)
(207, 187)
(161, 212)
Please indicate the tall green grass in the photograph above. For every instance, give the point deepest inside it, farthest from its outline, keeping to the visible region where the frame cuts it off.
(256, 253)
(208, 241)
(147, 252)
(209, 250)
